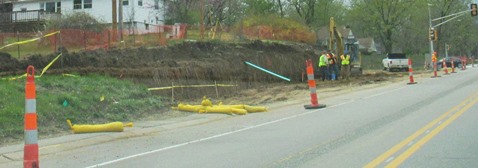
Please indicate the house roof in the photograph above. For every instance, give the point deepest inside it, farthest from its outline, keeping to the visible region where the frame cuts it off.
(365, 42)
(323, 33)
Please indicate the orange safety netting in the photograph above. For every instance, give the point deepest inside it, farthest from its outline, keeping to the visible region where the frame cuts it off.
(150, 35)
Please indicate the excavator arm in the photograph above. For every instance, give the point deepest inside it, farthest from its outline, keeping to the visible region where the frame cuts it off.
(335, 38)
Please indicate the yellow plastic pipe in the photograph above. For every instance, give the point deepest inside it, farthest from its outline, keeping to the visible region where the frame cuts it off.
(109, 127)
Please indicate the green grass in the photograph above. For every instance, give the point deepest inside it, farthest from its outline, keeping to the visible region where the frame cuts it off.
(28, 48)
(124, 101)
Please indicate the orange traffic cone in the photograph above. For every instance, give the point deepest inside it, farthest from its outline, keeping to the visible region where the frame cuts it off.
(410, 72)
(445, 68)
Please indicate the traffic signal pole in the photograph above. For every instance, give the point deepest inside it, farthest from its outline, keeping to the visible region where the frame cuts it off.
(433, 35)
(431, 26)
(456, 15)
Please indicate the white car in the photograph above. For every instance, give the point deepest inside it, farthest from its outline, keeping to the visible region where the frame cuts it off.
(395, 61)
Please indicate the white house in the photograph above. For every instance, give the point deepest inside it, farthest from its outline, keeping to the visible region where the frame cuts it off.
(346, 32)
(136, 13)
(367, 45)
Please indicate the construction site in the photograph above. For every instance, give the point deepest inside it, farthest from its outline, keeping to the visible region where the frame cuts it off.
(171, 72)
(205, 64)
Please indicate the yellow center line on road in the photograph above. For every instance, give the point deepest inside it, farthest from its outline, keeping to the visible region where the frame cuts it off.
(409, 139)
(405, 155)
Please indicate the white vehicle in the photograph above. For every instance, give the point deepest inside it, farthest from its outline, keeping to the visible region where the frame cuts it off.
(395, 61)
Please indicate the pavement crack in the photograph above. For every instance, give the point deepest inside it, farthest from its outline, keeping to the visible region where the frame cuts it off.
(9, 158)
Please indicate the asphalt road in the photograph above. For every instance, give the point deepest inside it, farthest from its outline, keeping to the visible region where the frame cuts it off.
(429, 124)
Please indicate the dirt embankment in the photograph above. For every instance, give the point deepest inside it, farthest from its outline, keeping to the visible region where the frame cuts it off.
(188, 63)
(189, 60)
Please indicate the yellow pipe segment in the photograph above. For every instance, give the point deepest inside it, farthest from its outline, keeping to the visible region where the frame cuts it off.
(109, 127)
(207, 107)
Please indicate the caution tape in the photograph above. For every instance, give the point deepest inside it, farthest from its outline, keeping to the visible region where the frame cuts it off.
(42, 72)
(48, 66)
(70, 75)
(18, 77)
(189, 86)
(15, 78)
(30, 40)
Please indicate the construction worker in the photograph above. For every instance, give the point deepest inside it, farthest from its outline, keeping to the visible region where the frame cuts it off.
(322, 64)
(333, 68)
(345, 65)
(434, 60)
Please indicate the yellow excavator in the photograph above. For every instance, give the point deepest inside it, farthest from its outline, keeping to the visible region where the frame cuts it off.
(336, 43)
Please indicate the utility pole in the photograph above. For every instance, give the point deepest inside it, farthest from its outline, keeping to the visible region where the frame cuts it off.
(202, 20)
(121, 20)
(114, 20)
(446, 49)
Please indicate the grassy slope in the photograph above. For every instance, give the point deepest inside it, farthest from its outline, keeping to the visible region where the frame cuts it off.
(124, 101)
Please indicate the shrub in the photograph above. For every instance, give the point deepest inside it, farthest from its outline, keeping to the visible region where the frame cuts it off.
(275, 28)
(77, 20)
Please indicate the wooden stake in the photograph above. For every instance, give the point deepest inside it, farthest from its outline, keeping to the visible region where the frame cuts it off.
(172, 92)
(217, 93)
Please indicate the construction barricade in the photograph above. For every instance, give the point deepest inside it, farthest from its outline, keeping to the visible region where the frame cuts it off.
(30, 152)
(410, 72)
(314, 104)
(435, 70)
(445, 68)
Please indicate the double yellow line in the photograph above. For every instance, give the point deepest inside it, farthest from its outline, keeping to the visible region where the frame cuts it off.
(459, 110)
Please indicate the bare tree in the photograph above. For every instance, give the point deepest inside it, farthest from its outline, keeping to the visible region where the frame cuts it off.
(383, 18)
(305, 9)
(178, 10)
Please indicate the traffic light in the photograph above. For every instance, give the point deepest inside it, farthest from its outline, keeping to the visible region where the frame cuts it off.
(431, 35)
(473, 10)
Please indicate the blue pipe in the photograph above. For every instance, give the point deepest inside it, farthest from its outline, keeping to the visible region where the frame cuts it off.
(265, 70)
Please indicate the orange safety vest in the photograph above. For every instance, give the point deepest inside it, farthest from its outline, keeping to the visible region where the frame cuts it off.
(434, 58)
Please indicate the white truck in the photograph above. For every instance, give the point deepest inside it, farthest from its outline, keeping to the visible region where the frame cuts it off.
(395, 61)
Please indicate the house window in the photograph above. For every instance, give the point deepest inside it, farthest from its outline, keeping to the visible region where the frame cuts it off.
(77, 4)
(125, 2)
(87, 4)
(50, 6)
(146, 26)
(140, 2)
(58, 7)
(156, 4)
(23, 9)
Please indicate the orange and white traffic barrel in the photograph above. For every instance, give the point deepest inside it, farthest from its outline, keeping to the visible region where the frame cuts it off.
(312, 87)
(445, 68)
(435, 70)
(30, 152)
(410, 72)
